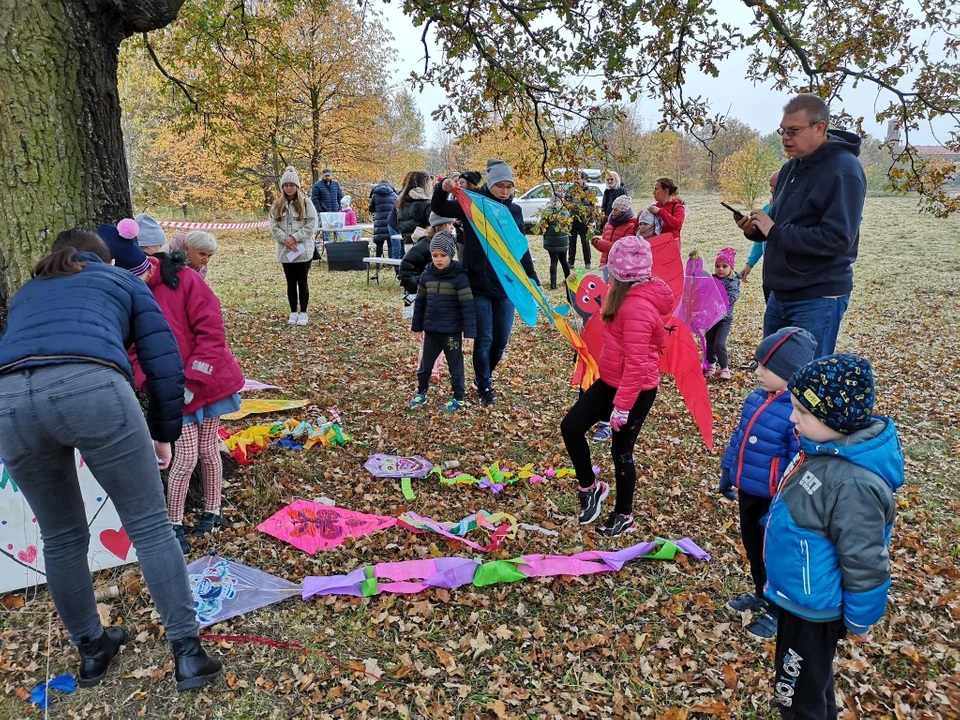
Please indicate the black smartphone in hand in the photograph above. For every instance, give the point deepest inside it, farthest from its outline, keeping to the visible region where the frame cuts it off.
(737, 215)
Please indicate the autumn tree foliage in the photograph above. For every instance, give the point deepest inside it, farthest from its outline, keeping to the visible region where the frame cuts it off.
(548, 66)
(286, 85)
(745, 175)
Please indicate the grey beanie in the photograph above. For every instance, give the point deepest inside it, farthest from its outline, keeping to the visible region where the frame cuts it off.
(439, 219)
(498, 171)
(786, 351)
(623, 203)
(444, 241)
(151, 234)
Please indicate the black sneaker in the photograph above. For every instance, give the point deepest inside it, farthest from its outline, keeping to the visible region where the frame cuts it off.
(208, 521)
(765, 626)
(616, 525)
(747, 601)
(590, 502)
(488, 397)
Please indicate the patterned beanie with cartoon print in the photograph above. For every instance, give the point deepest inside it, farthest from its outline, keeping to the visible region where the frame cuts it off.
(837, 390)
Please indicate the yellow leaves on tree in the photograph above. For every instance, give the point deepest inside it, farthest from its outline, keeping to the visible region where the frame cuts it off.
(745, 175)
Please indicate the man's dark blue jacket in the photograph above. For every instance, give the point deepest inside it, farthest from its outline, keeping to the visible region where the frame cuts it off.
(817, 206)
(326, 196)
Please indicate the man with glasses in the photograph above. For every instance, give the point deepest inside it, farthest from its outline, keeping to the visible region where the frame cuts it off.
(813, 228)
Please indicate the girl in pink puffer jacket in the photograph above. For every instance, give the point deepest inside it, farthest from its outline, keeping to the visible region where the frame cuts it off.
(629, 375)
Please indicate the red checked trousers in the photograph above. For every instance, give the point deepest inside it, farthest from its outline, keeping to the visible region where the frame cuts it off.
(197, 442)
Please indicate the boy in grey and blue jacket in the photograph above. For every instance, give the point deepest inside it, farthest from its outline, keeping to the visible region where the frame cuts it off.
(828, 529)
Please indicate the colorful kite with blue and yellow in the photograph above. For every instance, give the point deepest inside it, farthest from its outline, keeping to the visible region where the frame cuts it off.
(504, 245)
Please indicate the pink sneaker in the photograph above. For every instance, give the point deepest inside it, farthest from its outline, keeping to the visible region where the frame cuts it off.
(710, 371)
(725, 374)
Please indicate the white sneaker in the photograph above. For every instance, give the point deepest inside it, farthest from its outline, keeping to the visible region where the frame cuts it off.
(292, 320)
(302, 319)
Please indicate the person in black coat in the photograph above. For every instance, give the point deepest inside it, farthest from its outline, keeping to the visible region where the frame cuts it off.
(495, 312)
(382, 200)
(418, 257)
(413, 205)
(444, 313)
(615, 188)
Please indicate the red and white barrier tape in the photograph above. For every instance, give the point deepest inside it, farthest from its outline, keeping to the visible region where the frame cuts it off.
(211, 226)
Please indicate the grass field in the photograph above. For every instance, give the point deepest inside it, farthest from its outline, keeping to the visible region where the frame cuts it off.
(652, 641)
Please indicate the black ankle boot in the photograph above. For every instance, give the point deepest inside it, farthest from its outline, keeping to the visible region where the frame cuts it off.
(95, 655)
(181, 537)
(193, 668)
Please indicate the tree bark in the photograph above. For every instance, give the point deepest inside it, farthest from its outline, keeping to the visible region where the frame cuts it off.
(60, 134)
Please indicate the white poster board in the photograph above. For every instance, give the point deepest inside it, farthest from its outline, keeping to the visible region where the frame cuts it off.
(21, 550)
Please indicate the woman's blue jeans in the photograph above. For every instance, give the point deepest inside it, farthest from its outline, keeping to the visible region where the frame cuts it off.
(45, 413)
(494, 325)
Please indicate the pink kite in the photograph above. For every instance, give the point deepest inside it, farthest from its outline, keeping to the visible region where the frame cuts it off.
(311, 526)
(703, 303)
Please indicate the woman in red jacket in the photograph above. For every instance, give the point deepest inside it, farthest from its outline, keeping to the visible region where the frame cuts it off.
(629, 375)
(668, 207)
(620, 224)
(213, 377)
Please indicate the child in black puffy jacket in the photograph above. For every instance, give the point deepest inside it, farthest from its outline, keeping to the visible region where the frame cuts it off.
(444, 313)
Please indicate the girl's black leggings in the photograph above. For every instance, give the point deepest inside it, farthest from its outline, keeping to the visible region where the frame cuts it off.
(595, 405)
(296, 274)
(558, 256)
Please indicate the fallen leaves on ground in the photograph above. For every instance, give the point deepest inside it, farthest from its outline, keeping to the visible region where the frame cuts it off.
(654, 640)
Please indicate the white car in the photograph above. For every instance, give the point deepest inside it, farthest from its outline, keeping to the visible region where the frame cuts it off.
(536, 198)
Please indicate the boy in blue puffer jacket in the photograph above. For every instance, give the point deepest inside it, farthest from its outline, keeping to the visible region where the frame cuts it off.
(828, 529)
(444, 313)
(759, 452)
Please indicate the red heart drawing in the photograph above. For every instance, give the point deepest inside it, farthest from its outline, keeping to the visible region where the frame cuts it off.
(117, 542)
(29, 555)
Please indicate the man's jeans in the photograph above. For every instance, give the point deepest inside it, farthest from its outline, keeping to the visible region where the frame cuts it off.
(45, 413)
(819, 316)
(494, 325)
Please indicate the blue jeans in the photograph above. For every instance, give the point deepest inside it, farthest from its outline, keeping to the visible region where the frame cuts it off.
(819, 316)
(494, 325)
(396, 244)
(45, 413)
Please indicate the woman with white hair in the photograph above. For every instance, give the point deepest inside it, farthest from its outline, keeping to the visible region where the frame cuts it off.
(614, 189)
(199, 247)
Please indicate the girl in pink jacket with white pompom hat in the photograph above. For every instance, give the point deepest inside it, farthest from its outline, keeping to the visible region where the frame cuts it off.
(629, 375)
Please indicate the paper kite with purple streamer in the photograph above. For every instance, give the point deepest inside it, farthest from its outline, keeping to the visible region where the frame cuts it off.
(223, 589)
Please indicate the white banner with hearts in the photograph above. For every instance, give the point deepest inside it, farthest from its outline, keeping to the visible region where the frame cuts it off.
(21, 549)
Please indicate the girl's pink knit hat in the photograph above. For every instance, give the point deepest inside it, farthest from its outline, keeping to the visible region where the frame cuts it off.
(728, 255)
(630, 259)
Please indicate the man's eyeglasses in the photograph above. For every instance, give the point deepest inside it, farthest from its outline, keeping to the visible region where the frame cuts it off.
(793, 132)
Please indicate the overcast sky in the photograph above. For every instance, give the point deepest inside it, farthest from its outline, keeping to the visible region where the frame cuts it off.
(757, 106)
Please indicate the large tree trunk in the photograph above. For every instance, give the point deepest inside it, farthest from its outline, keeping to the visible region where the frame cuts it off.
(60, 138)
